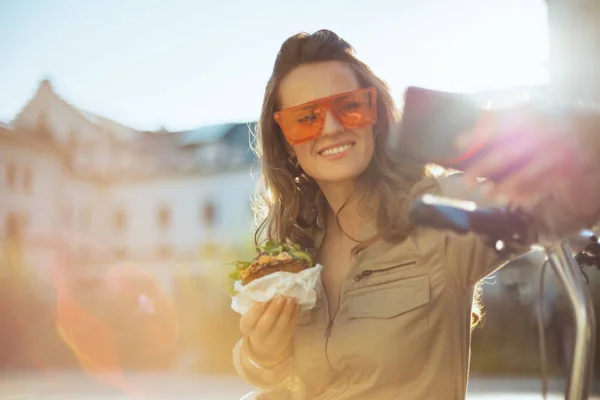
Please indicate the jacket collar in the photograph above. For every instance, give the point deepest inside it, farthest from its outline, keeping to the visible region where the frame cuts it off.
(382, 252)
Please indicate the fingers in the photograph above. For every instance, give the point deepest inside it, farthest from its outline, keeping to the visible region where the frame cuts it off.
(528, 181)
(286, 320)
(503, 139)
(250, 319)
(501, 159)
(297, 313)
(274, 317)
(524, 156)
(269, 328)
(523, 170)
(270, 316)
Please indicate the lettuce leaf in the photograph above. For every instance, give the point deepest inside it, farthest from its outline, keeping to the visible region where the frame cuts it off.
(271, 249)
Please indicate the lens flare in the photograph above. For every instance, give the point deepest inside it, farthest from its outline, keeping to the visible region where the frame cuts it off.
(119, 321)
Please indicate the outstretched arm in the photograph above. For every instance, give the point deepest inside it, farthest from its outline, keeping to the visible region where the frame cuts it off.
(469, 258)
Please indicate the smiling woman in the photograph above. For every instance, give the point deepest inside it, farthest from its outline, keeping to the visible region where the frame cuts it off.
(390, 291)
(334, 189)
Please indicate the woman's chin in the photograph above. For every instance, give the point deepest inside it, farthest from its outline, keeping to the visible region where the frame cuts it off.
(339, 175)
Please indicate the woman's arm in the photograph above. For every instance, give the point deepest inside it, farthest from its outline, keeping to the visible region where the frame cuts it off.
(263, 357)
(255, 374)
(471, 259)
(468, 257)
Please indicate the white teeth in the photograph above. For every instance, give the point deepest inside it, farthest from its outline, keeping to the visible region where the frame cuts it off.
(336, 150)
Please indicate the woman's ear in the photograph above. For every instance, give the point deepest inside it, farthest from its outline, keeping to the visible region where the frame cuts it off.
(293, 159)
(292, 155)
(290, 151)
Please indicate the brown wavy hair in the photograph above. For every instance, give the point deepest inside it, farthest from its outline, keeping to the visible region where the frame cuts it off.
(287, 202)
(293, 199)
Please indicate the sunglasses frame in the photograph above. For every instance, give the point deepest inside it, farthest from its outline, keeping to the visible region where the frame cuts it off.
(325, 103)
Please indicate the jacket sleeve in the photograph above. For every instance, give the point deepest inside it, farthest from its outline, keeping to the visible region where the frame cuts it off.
(265, 382)
(470, 259)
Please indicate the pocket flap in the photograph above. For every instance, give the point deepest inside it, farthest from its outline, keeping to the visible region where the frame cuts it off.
(389, 300)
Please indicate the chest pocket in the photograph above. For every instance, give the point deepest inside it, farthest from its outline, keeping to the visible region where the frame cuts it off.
(390, 299)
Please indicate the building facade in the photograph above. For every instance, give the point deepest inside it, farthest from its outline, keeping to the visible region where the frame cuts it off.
(101, 192)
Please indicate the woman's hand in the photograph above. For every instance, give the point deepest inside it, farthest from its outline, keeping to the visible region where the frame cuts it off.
(536, 157)
(524, 150)
(269, 329)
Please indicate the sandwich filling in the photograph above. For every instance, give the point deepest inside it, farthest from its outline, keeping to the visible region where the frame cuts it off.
(270, 259)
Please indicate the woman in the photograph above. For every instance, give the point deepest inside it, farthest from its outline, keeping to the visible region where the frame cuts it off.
(394, 316)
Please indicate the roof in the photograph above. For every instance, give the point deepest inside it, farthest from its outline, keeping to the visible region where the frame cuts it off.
(120, 131)
(38, 140)
(218, 147)
(46, 94)
(206, 134)
(241, 132)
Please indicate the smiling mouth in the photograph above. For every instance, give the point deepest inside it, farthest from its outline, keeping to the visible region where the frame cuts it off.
(336, 150)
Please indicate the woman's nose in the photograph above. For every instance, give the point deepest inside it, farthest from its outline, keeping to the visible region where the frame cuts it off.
(332, 125)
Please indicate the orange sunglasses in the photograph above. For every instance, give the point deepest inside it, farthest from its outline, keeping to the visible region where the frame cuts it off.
(304, 122)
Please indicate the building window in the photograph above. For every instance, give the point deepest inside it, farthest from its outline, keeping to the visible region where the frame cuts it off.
(120, 220)
(12, 227)
(164, 217)
(10, 176)
(208, 214)
(15, 226)
(27, 180)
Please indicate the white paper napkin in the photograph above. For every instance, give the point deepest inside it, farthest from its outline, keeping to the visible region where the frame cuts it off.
(303, 286)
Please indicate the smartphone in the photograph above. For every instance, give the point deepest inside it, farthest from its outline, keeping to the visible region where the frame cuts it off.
(431, 122)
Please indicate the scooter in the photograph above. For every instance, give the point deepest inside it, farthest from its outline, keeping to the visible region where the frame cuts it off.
(507, 230)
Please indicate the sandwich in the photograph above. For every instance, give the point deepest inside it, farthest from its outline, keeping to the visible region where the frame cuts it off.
(271, 258)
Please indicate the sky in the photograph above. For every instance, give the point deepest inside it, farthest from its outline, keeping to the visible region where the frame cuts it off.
(184, 64)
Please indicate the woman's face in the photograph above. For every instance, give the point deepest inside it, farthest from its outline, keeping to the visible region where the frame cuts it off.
(339, 154)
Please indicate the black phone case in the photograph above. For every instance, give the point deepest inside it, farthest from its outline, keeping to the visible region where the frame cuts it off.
(431, 122)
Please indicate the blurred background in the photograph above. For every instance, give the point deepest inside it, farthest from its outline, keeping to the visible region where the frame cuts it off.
(126, 176)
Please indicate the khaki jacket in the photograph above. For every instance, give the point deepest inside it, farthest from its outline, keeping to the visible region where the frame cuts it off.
(403, 327)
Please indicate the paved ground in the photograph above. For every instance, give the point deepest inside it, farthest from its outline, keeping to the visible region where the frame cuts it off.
(71, 386)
